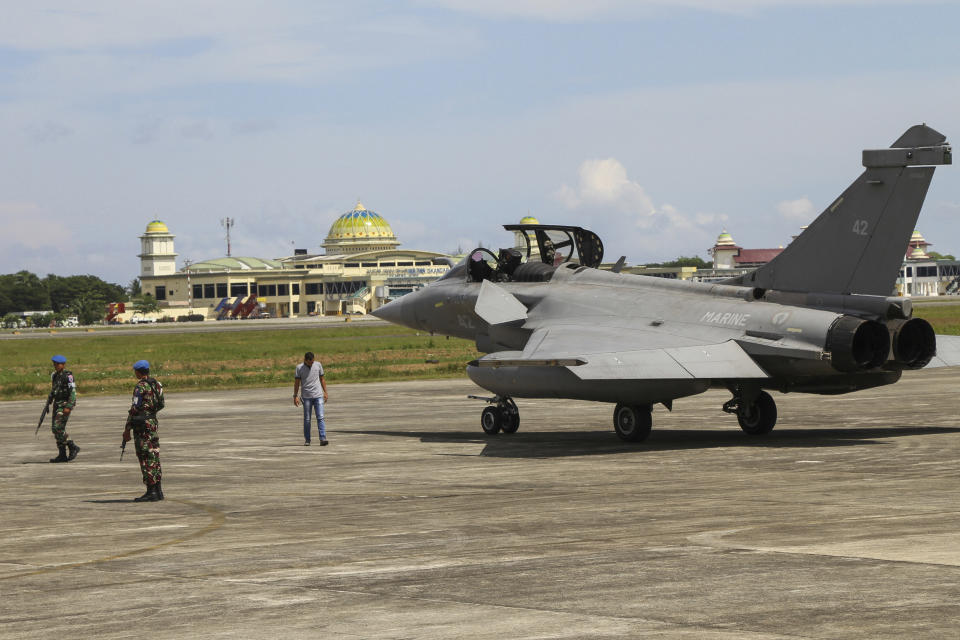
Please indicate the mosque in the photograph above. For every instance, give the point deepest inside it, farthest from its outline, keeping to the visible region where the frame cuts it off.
(361, 268)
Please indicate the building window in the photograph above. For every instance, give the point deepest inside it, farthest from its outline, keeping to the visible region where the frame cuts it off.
(314, 288)
(296, 307)
(296, 289)
(208, 291)
(368, 264)
(221, 290)
(347, 287)
(283, 290)
(161, 293)
(423, 264)
(238, 289)
(311, 306)
(404, 264)
(347, 265)
(198, 291)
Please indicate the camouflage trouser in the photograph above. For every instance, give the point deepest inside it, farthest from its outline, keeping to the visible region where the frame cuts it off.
(59, 427)
(147, 443)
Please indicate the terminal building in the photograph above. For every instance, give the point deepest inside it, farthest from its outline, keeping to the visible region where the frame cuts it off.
(362, 266)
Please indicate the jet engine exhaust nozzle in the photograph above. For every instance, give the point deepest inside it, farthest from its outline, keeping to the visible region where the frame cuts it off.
(856, 344)
(914, 342)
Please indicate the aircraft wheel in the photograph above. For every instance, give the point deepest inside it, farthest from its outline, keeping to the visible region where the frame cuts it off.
(510, 415)
(491, 420)
(759, 418)
(632, 422)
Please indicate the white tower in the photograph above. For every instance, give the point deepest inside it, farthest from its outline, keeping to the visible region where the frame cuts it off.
(724, 251)
(156, 245)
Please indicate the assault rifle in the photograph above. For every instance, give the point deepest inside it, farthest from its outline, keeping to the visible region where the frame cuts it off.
(123, 447)
(43, 414)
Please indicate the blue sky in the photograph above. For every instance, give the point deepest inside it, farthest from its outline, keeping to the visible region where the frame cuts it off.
(654, 123)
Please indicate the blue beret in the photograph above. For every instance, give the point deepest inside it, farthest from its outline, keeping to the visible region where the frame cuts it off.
(59, 359)
(141, 364)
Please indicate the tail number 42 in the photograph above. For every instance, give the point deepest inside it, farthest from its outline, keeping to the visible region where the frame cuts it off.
(860, 227)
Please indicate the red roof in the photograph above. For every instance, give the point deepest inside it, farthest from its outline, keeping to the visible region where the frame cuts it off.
(756, 256)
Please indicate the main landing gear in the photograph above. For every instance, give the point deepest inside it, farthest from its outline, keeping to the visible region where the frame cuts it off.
(756, 411)
(501, 415)
(633, 422)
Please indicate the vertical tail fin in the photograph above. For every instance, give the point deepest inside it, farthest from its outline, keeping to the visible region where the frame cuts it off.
(857, 245)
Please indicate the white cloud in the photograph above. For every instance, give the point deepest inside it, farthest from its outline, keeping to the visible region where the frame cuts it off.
(799, 210)
(604, 183)
(636, 227)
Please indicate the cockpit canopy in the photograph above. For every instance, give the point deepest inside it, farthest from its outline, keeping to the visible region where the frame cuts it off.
(547, 247)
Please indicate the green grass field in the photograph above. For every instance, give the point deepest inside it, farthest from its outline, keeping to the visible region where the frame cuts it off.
(238, 359)
(230, 359)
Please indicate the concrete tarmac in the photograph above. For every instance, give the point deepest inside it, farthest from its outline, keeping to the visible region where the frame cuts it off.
(843, 523)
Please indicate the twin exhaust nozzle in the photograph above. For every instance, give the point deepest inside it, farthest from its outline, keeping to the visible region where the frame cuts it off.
(856, 344)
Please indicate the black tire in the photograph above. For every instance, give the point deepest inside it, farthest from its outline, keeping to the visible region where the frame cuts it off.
(760, 418)
(510, 415)
(491, 420)
(632, 422)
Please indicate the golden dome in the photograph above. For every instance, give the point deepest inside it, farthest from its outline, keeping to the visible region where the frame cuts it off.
(157, 226)
(360, 223)
(529, 220)
(357, 230)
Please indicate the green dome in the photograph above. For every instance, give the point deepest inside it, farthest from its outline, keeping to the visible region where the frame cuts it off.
(234, 264)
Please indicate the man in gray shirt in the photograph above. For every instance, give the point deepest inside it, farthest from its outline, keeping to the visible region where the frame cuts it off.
(313, 392)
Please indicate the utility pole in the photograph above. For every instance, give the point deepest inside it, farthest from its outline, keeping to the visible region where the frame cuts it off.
(226, 223)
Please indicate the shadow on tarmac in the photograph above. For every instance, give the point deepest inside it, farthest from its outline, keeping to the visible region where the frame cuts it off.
(550, 444)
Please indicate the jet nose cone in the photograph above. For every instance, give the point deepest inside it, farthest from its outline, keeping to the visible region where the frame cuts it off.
(391, 312)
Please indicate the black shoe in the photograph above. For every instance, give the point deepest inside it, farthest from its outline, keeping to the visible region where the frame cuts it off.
(74, 450)
(62, 457)
(158, 490)
(324, 443)
(149, 496)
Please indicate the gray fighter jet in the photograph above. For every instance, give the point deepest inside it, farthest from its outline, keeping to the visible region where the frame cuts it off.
(819, 318)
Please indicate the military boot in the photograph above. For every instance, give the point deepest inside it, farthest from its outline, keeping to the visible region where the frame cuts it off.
(63, 455)
(149, 496)
(74, 450)
(158, 490)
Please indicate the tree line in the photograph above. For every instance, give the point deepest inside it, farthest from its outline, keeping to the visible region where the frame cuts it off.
(83, 296)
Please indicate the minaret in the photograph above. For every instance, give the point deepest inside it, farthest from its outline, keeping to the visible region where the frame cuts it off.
(724, 251)
(156, 245)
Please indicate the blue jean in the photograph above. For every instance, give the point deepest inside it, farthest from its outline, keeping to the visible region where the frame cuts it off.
(317, 404)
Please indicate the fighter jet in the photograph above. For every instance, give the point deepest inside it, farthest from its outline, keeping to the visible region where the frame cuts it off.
(819, 318)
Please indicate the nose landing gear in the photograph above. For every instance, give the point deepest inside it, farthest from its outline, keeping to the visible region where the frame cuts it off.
(501, 415)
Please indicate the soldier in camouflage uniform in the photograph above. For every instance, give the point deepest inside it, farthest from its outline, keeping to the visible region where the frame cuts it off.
(142, 419)
(63, 395)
